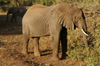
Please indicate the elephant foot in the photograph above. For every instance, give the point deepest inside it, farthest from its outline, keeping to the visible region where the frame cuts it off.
(54, 58)
(37, 54)
(63, 56)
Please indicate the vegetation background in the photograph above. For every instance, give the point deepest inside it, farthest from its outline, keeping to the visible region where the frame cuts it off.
(76, 49)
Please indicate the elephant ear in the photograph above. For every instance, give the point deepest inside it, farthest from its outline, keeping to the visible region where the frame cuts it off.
(63, 16)
(15, 10)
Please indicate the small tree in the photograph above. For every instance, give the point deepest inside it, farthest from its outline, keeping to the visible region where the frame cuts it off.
(18, 3)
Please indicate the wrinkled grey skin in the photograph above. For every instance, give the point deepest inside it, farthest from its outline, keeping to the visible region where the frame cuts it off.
(16, 11)
(41, 21)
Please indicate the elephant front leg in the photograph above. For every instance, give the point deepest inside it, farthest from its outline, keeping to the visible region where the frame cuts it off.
(15, 17)
(55, 48)
(36, 47)
(63, 38)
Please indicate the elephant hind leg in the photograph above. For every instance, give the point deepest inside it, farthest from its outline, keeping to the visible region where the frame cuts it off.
(36, 47)
(25, 44)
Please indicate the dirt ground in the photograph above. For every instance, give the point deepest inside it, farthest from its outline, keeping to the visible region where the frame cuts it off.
(11, 40)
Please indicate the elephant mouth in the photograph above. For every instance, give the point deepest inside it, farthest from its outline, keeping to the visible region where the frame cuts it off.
(84, 32)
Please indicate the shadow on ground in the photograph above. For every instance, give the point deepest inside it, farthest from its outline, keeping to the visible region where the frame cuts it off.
(8, 28)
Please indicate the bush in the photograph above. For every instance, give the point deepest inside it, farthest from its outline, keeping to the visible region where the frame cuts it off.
(77, 49)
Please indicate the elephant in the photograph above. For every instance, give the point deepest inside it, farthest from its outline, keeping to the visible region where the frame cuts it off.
(16, 11)
(54, 21)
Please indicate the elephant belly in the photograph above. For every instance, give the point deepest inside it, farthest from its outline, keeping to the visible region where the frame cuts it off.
(39, 31)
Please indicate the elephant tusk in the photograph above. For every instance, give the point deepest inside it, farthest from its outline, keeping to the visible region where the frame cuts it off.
(84, 32)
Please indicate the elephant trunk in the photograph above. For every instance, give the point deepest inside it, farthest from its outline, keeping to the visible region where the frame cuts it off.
(85, 42)
(7, 17)
(83, 27)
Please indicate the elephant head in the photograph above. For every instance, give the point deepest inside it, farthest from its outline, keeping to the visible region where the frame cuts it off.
(71, 17)
(79, 20)
(12, 10)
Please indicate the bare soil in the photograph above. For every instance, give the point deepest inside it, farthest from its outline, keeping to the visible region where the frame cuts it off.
(11, 40)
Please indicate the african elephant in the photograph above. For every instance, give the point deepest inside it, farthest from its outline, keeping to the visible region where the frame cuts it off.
(16, 11)
(54, 20)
